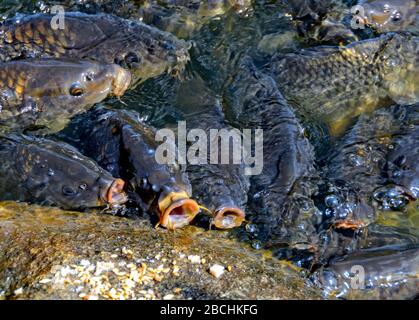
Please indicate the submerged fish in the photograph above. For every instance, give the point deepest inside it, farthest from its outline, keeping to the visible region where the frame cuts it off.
(336, 84)
(280, 195)
(219, 186)
(360, 182)
(356, 166)
(372, 274)
(321, 21)
(125, 146)
(402, 160)
(389, 15)
(179, 17)
(144, 50)
(47, 92)
(54, 174)
(184, 18)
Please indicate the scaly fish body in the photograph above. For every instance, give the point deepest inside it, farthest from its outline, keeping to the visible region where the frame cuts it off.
(54, 174)
(336, 84)
(125, 146)
(146, 51)
(218, 183)
(281, 194)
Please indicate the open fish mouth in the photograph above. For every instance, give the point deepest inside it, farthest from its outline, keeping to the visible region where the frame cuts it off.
(177, 210)
(121, 82)
(228, 218)
(115, 194)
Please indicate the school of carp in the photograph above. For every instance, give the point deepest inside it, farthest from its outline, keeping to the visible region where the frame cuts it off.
(339, 113)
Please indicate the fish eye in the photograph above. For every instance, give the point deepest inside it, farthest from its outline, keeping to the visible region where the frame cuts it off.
(68, 191)
(76, 90)
(83, 186)
(397, 17)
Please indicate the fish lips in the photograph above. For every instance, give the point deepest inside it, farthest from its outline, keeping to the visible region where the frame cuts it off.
(228, 217)
(121, 82)
(176, 210)
(114, 195)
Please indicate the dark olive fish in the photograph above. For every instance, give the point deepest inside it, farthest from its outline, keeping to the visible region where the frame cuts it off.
(336, 84)
(54, 174)
(47, 92)
(320, 21)
(281, 193)
(144, 50)
(389, 15)
(181, 18)
(125, 146)
(221, 188)
(402, 160)
(184, 18)
(372, 274)
(358, 185)
(356, 166)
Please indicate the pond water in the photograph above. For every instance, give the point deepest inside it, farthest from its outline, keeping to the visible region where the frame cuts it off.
(218, 43)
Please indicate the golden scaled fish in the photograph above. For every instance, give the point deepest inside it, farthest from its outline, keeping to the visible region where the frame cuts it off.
(336, 84)
(47, 92)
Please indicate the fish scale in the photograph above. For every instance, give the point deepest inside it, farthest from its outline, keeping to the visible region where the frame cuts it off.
(336, 84)
(145, 51)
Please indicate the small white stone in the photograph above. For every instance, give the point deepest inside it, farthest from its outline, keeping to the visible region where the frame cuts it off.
(43, 281)
(85, 263)
(216, 270)
(168, 297)
(194, 259)
(18, 291)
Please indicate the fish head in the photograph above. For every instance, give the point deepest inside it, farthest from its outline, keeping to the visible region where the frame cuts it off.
(63, 177)
(69, 85)
(389, 15)
(400, 62)
(143, 50)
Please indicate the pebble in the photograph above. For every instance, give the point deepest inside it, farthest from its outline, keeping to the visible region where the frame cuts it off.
(168, 297)
(194, 259)
(45, 281)
(216, 270)
(18, 291)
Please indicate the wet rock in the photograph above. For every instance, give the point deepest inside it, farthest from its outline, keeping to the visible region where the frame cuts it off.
(48, 253)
